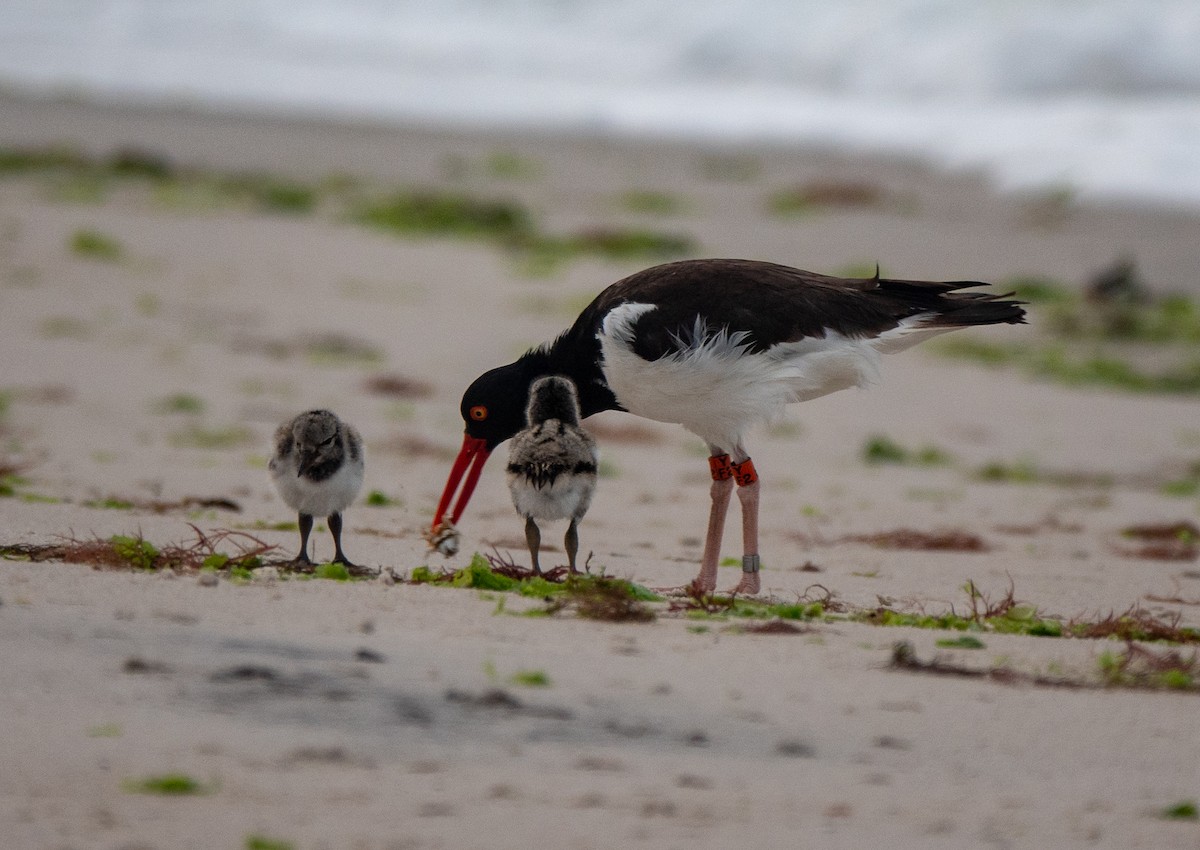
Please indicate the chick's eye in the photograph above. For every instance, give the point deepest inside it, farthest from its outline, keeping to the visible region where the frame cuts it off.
(479, 413)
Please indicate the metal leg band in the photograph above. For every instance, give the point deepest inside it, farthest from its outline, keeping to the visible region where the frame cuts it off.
(750, 563)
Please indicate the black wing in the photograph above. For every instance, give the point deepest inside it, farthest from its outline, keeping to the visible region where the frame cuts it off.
(772, 304)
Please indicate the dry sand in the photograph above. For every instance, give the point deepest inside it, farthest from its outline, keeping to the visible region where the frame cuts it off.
(375, 715)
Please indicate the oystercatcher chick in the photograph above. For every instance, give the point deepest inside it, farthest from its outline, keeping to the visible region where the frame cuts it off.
(719, 346)
(318, 470)
(552, 465)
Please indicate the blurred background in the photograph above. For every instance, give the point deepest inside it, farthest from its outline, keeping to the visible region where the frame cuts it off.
(1100, 98)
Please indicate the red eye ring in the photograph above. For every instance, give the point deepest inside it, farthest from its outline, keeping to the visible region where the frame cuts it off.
(478, 413)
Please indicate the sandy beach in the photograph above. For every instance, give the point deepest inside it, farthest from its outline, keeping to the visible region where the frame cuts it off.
(188, 280)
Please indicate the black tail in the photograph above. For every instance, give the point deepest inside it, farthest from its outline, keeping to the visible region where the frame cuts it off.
(963, 309)
(951, 308)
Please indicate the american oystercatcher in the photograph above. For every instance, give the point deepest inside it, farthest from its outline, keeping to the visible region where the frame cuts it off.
(318, 470)
(717, 346)
(552, 464)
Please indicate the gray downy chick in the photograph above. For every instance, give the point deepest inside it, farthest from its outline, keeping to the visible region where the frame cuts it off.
(552, 464)
(317, 468)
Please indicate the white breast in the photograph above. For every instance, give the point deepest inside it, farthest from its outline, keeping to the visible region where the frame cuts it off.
(568, 497)
(318, 498)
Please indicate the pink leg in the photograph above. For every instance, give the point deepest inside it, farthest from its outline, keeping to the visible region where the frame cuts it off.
(748, 489)
(722, 489)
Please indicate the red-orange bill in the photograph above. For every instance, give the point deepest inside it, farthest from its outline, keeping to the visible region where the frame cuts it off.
(471, 458)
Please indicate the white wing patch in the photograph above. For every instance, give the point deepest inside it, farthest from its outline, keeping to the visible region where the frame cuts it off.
(908, 333)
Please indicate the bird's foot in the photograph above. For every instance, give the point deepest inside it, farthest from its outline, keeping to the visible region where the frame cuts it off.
(696, 589)
(748, 586)
(345, 562)
(300, 564)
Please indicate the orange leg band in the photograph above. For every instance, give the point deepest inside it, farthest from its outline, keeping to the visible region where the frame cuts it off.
(744, 472)
(721, 468)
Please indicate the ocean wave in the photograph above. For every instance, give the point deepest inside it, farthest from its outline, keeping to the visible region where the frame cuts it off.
(1101, 95)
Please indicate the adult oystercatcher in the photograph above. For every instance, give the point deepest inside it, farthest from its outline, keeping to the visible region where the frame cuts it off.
(552, 464)
(317, 468)
(717, 346)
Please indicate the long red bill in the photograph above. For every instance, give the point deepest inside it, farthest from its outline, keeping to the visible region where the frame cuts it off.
(471, 458)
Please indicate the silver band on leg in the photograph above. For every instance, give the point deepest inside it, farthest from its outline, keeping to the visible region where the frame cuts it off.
(750, 563)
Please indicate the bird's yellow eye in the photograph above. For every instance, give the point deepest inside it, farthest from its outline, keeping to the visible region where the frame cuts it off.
(479, 413)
